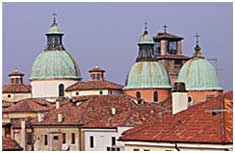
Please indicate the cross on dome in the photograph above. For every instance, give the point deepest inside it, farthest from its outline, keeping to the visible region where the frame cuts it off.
(165, 27)
(197, 38)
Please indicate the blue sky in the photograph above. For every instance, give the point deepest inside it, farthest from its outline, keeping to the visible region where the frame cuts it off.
(107, 33)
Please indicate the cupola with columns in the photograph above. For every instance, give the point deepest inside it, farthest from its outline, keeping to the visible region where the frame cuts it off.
(96, 74)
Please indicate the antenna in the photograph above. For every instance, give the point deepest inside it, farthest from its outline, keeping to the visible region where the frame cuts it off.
(214, 62)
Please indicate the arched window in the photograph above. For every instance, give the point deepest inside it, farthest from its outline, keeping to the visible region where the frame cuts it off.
(190, 99)
(61, 90)
(138, 95)
(155, 96)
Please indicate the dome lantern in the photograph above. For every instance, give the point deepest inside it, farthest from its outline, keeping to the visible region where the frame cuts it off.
(146, 47)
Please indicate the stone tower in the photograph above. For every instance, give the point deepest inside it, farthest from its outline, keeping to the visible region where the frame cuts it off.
(168, 52)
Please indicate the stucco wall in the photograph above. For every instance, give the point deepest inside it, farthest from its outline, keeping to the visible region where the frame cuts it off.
(195, 147)
(39, 133)
(48, 88)
(102, 138)
(19, 115)
(147, 94)
(15, 96)
(92, 92)
(200, 96)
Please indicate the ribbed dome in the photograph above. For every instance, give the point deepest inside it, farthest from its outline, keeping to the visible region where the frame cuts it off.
(199, 74)
(147, 75)
(55, 65)
(146, 39)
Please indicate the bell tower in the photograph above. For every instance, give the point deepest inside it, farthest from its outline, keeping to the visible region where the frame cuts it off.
(168, 52)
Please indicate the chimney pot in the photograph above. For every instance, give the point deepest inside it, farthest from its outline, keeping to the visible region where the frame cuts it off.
(57, 104)
(113, 111)
(60, 117)
(40, 117)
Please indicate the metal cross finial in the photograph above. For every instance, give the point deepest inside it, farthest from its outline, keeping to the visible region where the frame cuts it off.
(54, 15)
(145, 26)
(165, 26)
(197, 38)
(16, 69)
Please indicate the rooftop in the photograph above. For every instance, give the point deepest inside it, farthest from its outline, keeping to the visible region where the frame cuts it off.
(145, 113)
(162, 35)
(16, 88)
(29, 105)
(86, 109)
(16, 73)
(172, 56)
(94, 85)
(201, 123)
(9, 144)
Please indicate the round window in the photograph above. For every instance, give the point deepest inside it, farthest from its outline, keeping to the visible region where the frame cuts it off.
(9, 96)
(77, 93)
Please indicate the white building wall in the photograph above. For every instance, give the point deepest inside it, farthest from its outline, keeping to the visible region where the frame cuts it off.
(103, 138)
(161, 146)
(93, 92)
(48, 88)
(15, 96)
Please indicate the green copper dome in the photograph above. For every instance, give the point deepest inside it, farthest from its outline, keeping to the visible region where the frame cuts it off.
(146, 39)
(55, 65)
(55, 62)
(199, 74)
(147, 75)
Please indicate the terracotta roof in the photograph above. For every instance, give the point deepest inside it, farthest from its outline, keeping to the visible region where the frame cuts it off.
(9, 144)
(172, 56)
(16, 88)
(29, 105)
(90, 109)
(197, 124)
(161, 35)
(142, 114)
(16, 73)
(94, 85)
(6, 104)
(96, 69)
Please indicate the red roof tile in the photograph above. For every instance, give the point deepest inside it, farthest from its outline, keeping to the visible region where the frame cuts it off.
(94, 85)
(172, 56)
(142, 114)
(6, 104)
(16, 73)
(92, 108)
(96, 69)
(29, 105)
(16, 88)
(197, 124)
(9, 144)
(166, 36)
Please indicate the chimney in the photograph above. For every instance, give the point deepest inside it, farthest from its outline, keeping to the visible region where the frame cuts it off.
(113, 111)
(57, 104)
(40, 117)
(179, 97)
(22, 133)
(60, 117)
